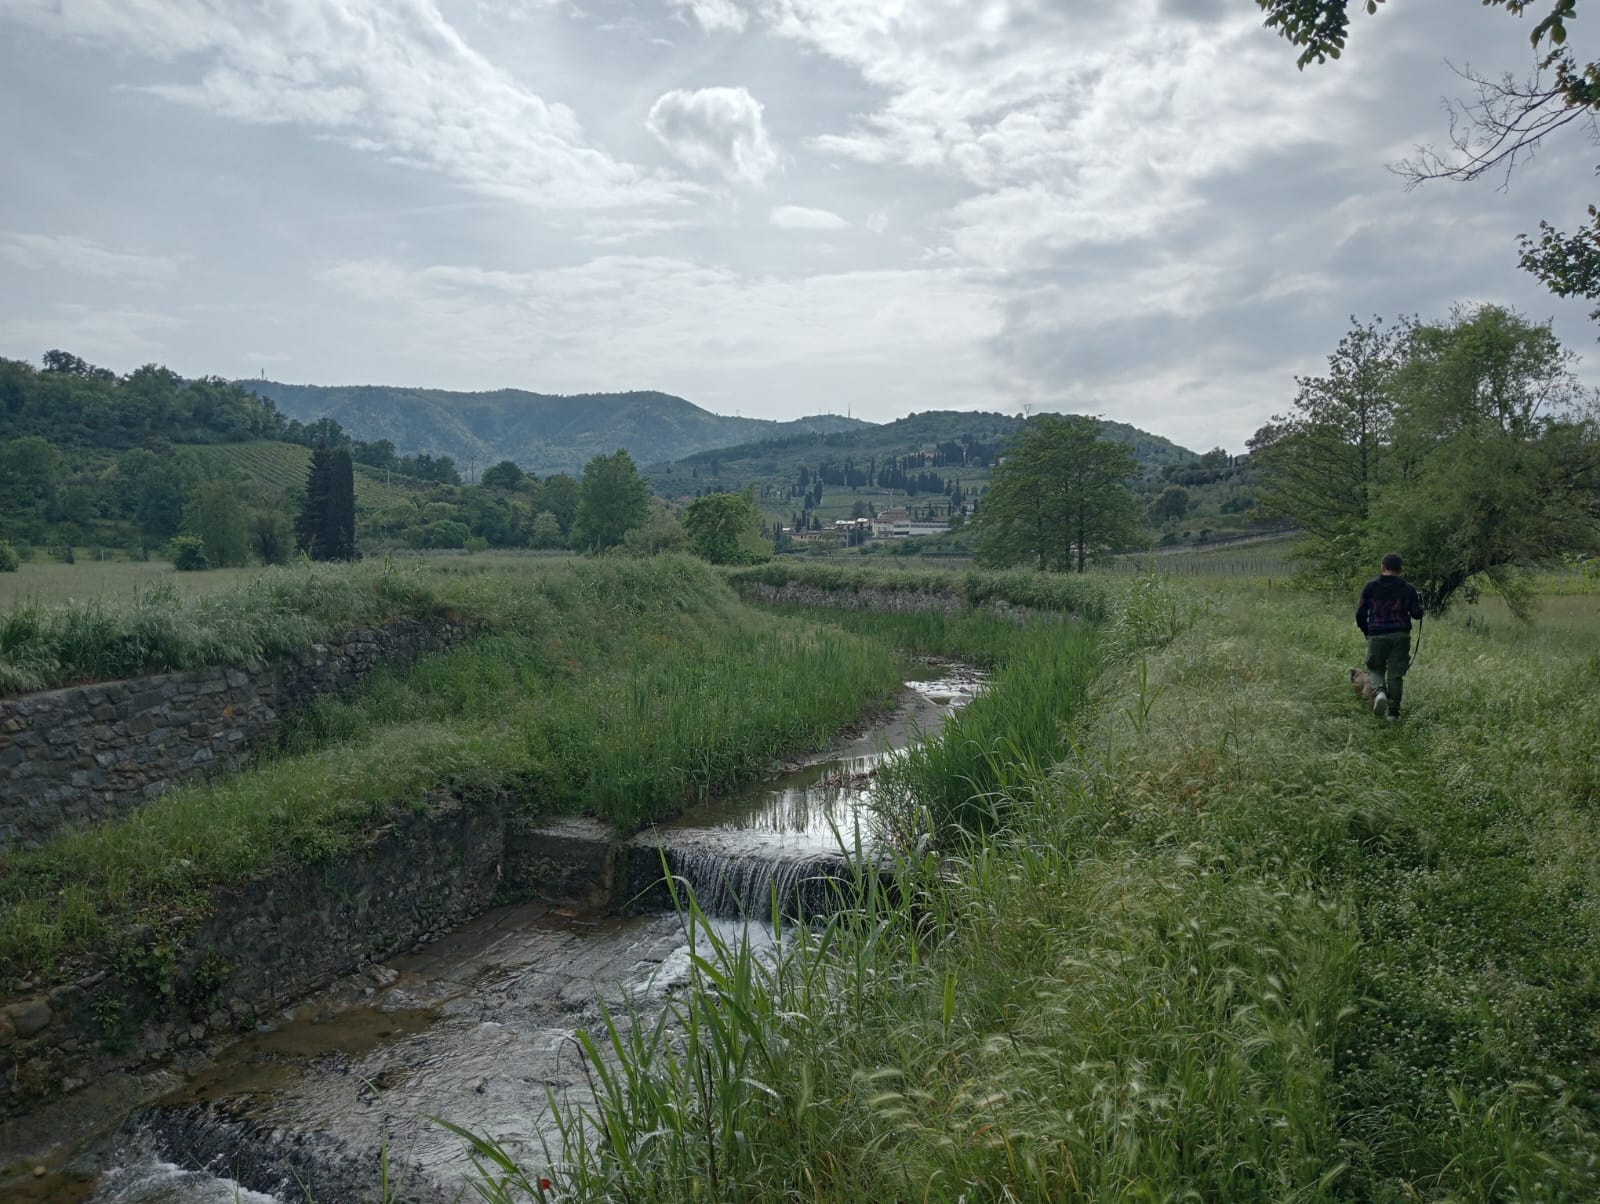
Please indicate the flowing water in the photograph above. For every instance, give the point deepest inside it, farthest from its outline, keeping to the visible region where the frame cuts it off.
(478, 1027)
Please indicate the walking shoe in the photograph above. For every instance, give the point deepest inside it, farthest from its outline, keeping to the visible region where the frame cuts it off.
(1380, 705)
(1394, 716)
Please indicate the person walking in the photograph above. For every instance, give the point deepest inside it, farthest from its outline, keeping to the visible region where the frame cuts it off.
(1384, 613)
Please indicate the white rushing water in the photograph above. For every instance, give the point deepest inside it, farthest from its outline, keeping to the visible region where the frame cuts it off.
(138, 1176)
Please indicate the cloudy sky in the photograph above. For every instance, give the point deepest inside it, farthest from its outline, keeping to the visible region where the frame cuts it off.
(770, 207)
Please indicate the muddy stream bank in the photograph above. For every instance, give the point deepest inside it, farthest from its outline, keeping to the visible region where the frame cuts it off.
(477, 1027)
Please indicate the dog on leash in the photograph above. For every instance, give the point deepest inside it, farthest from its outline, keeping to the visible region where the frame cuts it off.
(1361, 683)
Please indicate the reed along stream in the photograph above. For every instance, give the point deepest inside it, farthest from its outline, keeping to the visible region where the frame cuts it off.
(478, 1027)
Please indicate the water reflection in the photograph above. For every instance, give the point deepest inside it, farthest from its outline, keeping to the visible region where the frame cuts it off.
(825, 804)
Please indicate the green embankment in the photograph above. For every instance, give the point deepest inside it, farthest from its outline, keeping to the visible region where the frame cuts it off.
(619, 688)
(152, 628)
(1087, 596)
(1241, 942)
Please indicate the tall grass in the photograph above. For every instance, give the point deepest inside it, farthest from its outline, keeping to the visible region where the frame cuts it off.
(1240, 943)
(623, 689)
(984, 761)
(1088, 596)
(973, 637)
(273, 614)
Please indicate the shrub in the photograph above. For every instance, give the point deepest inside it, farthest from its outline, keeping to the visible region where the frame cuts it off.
(8, 558)
(189, 554)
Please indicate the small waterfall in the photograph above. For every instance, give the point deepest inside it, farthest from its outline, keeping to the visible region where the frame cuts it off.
(152, 1181)
(200, 1154)
(140, 1174)
(744, 884)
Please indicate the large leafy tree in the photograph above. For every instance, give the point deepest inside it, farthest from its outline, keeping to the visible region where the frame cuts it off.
(216, 515)
(612, 499)
(150, 489)
(560, 497)
(1320, 464)
(1059, 497)
(726, 528)
(1502, 124)
(504, 475)
(1466, 445)
(30, 473)
(1496, 463)
(546, 531)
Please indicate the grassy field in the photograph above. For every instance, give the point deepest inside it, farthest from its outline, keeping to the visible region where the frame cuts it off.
(252, 616)
(1239, 942)
(110, 582)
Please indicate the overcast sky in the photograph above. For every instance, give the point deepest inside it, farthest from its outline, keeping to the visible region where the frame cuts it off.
(771, 207)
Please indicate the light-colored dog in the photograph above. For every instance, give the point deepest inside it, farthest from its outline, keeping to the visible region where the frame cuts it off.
(1361, 683)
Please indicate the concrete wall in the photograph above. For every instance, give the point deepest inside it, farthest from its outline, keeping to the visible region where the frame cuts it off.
(78, 756)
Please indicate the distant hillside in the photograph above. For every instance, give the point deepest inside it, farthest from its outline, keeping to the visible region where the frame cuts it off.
(543, 433)
(978, 434)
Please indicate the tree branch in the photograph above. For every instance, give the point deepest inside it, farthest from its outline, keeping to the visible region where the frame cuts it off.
(1503, 126)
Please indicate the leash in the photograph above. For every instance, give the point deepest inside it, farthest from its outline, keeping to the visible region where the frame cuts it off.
(1418, 651)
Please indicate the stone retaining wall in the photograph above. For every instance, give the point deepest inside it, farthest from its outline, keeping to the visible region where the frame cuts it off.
(107, 1028)
(155, 999)
(78, 756)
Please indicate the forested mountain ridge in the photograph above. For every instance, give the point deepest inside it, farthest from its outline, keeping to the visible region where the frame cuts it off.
(959, 438)
(544, 433)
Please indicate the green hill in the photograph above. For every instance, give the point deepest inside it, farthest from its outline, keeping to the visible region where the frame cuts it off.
(981, 433)
(950, 443)
(543, 433)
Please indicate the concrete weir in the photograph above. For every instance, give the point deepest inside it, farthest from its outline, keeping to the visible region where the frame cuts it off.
(321, 1018)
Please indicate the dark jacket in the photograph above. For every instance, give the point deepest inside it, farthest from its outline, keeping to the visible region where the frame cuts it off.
(1388, 604)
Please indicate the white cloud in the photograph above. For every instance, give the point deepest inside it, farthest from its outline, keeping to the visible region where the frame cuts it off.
(99, 334)
(387, 77)
(716, 130)
(1067, 127)
(881, 342)
(85, 257)
(715, 15)
(798, 217)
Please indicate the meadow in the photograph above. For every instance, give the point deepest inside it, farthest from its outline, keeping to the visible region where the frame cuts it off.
(1229, 938)
(109, 582)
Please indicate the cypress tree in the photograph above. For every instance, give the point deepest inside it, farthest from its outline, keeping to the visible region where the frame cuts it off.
(339, 525)
(310, 522)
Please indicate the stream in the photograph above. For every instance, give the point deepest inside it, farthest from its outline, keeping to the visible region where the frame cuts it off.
(478, 1026)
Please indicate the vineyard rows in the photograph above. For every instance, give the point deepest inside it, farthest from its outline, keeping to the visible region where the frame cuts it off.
(283, 466)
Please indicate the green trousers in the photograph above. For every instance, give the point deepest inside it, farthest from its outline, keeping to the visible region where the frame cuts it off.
(1388, 658)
